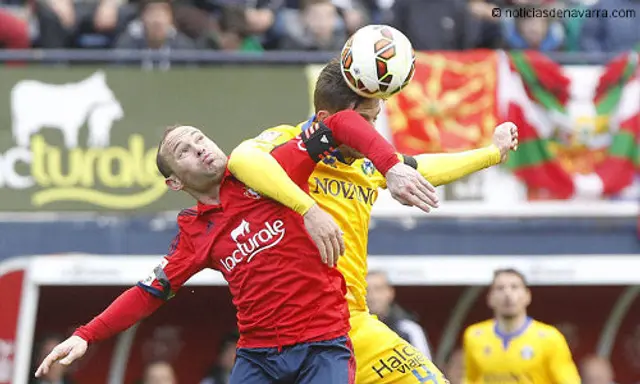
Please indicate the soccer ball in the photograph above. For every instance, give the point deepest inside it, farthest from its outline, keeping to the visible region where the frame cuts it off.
(377, 61)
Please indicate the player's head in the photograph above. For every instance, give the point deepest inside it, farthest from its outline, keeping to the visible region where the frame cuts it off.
(380, 294)
(509, 296)
(159, 372)
(332, 94)
(596, 370)
(189, 160)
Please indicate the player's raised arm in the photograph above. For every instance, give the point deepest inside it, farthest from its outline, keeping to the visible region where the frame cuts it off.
(444, 168)
(561, 366)
(131, 306)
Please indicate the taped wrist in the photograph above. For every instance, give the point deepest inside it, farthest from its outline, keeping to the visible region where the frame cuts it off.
(318, 140)
(410, 161)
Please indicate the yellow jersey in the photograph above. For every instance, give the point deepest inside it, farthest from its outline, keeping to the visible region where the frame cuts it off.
(346, 192)
(537, 353)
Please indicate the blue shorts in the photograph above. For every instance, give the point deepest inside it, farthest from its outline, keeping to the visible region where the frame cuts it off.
(321, 362)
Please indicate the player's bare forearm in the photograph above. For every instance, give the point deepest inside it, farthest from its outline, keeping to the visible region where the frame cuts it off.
(252, 164)
(444, 168)
(129, 308)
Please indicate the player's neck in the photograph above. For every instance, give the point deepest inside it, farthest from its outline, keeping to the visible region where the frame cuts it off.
(511, 325)
(210, 197)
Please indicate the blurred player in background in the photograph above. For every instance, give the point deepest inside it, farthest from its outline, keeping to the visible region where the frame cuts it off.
(512, 347)
(381, 301)
(346, 187)
(292, 314)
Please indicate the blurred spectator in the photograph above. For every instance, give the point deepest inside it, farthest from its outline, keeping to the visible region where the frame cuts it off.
(433, 24)
(596, 370)
(159, 372)
(165, 344)
(14, 33)
(483, 28)
(154, 30)
(353, 13)
(233, 34)
(539, 33)
(379, 11)
(221, 371)
(454, 367)
(80, 23)
(316, 26)
(58, 372)
(632, 349)
(611, 34)
(202, 19)
(380, 298)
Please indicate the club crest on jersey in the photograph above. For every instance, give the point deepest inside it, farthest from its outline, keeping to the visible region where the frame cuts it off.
(250, 193)
(367, 167)
(526, 353)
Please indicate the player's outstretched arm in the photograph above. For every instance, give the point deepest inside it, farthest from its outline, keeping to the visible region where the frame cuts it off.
(129, 308)
(444, 168)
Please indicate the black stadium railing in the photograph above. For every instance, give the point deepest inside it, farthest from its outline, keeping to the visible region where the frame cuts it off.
(204, 57)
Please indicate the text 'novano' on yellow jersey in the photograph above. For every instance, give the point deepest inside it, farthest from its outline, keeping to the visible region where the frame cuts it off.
(537, 354)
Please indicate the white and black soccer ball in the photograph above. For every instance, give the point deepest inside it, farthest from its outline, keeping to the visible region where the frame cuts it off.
(377, 61)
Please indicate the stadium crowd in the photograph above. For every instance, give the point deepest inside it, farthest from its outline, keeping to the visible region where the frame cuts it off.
(256, 25)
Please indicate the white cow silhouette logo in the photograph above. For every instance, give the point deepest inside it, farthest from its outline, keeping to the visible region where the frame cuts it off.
(36, 105)
(241, 230)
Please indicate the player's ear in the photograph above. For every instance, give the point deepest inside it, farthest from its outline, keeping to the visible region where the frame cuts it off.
(528, 297)
(322, 114)
(173, 183)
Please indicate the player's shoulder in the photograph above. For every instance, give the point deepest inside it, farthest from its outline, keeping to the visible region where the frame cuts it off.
(546, 331)
(478, 330)
(282, 132)
(187, 216)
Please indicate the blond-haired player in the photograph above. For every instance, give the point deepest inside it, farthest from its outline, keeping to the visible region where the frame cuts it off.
(346, 187)
(512, 347)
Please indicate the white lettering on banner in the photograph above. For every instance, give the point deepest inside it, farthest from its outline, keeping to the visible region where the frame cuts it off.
(6, 360)
(267, 237)
(9, 177)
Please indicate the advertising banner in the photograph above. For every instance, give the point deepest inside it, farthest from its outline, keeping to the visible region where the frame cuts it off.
(85, 139)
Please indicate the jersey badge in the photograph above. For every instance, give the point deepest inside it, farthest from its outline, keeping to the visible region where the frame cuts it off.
(526, 353)
(487, 350)
(250, 193)
(367, 167)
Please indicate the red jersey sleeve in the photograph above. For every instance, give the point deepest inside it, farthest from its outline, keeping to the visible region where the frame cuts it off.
(178, 266)
(299, 155)
(135, 304)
